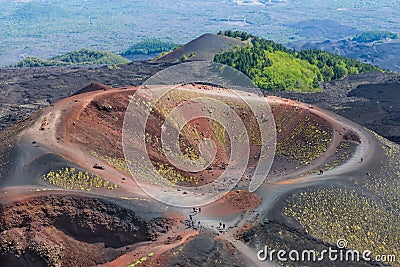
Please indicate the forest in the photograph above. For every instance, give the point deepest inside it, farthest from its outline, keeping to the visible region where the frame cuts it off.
(374, 36)
(149, 47)
(80, 57)
(274, 67)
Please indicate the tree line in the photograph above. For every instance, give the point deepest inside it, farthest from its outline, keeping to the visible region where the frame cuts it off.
(274, 67)
(80, 57)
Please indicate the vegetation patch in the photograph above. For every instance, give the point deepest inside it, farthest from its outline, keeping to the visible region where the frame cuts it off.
(375, 36)
(386, 183)
(72, 179)
(171, 174)
(188, 57)
(332, 214)
(274, 67)
(79, 57)
(289, 73)
(149, 47)
(342, 154)
(367, 218)
(219, 132)
(117, 163)
(303, 139)
(141, 260)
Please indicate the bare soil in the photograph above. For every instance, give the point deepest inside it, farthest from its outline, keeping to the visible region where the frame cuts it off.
(62, 230)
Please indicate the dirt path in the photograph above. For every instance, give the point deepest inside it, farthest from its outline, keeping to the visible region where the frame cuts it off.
(271, 192)
(51, 131)
(340, 125)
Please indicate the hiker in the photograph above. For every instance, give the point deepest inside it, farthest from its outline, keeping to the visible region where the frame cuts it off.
(321, 172)
(199, 210)
(198, 225)
(223, 226)
(220, 225)
(361, 160)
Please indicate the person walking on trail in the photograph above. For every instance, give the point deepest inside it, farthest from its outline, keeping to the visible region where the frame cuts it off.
(198, 225)
(321, 172)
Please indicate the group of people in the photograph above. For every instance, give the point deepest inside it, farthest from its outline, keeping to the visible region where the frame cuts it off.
(221, 227)
(192, 223)
(196, 210)
(195, 224)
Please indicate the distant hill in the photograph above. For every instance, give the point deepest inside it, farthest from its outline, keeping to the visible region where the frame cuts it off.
(80, 57)
(203, 48)
(148, 47)
(274, 67)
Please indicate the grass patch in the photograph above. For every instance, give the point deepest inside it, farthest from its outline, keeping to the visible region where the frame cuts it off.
(305, 142)
(336, 213)
(72, 179)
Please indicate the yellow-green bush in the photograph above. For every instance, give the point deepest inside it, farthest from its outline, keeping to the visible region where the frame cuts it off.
(72, 179)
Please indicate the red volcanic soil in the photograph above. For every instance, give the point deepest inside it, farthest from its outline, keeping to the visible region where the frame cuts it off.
(87, 129)
(242, 200)
(95, 124)
(62, 230)
(302, 135)
(234, 202)
(98, 126)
